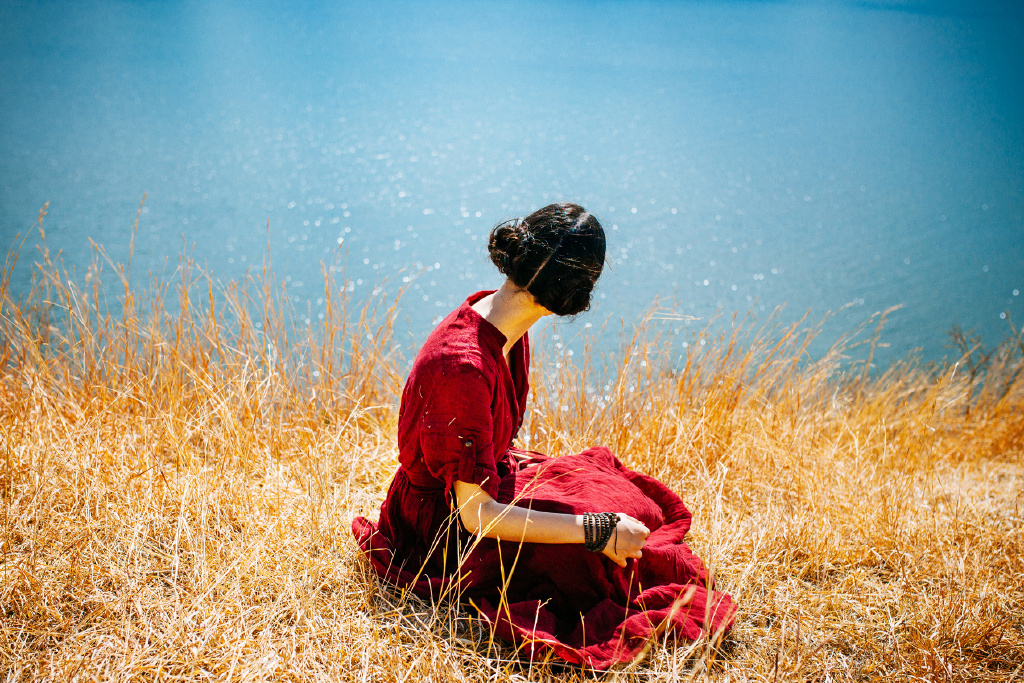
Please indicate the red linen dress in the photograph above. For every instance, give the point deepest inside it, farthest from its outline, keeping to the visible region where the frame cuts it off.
(461, 409)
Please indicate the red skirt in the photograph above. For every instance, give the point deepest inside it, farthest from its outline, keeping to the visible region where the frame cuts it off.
(556, 599)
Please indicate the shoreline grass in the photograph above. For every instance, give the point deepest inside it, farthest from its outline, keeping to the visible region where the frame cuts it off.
(177, 484)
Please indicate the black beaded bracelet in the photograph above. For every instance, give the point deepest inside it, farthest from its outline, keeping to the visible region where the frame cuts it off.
(606, 531)
(598, 529)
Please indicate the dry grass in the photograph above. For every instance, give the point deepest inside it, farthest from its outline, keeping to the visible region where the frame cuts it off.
(178, 481)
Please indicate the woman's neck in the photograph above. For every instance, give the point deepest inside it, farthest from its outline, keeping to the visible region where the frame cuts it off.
(512, 310)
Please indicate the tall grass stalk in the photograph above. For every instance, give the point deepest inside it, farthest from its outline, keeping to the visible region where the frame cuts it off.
(180, 468)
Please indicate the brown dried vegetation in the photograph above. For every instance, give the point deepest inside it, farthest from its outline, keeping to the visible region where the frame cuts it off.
(177, 482)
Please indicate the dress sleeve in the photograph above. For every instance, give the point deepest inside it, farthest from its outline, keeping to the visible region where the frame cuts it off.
(457, 432)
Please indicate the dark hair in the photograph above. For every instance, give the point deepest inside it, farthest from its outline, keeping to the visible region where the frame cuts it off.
(555, 253)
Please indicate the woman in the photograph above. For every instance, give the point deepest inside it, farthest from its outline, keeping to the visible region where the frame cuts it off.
(575, 555)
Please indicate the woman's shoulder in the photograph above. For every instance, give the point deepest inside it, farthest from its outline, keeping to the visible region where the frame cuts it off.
(459, 344)
(451, 369)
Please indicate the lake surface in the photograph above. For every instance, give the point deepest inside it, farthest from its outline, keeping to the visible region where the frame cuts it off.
(742, 156)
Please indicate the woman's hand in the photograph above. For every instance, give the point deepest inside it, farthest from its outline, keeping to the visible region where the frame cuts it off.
(627, 540)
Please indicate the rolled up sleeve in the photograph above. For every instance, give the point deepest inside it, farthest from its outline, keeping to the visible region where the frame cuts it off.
(456, 436)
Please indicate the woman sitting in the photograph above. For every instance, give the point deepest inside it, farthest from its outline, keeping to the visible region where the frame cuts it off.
(576, 555)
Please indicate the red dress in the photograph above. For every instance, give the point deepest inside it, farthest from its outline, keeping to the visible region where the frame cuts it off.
(461, 409)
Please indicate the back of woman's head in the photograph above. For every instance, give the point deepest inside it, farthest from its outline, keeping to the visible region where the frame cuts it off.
(555, 253)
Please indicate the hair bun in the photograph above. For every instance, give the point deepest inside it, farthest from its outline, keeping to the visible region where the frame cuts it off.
(507, 243)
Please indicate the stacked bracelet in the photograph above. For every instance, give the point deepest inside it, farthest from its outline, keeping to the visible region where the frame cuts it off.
(597, 529)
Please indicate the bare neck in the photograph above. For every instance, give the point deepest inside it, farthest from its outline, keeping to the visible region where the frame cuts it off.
(512, 310)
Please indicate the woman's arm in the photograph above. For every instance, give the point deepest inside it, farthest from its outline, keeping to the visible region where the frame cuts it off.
(483, 515)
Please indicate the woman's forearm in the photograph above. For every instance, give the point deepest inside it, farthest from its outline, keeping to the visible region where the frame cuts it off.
(482, 515)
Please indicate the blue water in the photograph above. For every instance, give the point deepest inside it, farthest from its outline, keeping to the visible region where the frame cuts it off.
(832, 156)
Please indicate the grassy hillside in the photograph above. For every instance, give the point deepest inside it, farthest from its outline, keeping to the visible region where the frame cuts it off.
(177, 483)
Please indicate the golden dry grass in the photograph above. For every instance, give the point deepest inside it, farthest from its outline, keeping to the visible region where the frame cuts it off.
(178, 481)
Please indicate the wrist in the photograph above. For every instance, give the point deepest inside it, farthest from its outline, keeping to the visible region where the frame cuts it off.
(598, 529)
